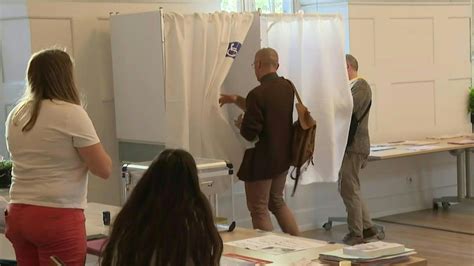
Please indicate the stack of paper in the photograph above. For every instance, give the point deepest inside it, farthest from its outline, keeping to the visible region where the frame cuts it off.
(232, 259)
(462, 141)
(381, 148)
(277, 245)
(375, 253)
(419, 142)
(374, 249)
(448, 136)
(421, 148)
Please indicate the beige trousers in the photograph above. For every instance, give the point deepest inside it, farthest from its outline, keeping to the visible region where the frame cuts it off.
(264, 195)
(358, 217)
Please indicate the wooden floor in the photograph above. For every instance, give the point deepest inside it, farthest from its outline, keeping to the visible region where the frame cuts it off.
(458, 218)
(437, 246)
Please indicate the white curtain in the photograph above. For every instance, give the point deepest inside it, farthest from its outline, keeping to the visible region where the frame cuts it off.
(311, 50)
(200, 50)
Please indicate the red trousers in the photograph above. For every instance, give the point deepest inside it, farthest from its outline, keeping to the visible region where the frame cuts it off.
(37, 233)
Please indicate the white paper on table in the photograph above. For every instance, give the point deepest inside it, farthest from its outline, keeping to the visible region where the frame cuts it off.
(375, 149)
(443, 137)
(385, 144)
(306, 262)
(422, 148)
(419, 142)
(462, 141)
(277, 245)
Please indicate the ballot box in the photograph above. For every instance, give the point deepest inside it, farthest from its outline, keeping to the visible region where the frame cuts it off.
(215, 177)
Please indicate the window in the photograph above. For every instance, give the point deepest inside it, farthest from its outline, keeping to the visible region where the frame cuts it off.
(266, 6)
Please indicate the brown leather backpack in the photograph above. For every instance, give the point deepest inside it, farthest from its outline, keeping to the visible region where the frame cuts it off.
(303, 142)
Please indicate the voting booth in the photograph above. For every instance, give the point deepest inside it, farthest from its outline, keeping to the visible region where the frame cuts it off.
(169, 70)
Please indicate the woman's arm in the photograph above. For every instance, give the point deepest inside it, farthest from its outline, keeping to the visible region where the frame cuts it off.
(97, 160)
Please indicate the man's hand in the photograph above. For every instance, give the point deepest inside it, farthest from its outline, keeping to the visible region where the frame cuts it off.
(226, 98)
(238, 122)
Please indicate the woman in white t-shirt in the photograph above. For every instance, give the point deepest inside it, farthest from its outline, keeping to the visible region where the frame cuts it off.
(52, 144)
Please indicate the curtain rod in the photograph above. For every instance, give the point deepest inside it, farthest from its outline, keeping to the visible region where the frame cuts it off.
(301, 14)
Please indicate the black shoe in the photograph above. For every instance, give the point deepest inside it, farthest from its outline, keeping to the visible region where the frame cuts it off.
(351, 239)
(370, 232)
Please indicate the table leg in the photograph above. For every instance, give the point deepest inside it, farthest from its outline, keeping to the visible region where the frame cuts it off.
(216, 205)
(468, 173)
(232, 196)
(460, 176)
(460, 169)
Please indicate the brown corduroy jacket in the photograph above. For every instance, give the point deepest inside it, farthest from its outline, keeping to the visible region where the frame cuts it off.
(268, 116)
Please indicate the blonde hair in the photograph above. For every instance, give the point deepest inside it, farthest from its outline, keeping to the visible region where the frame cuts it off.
(352, 61)
(49, 77)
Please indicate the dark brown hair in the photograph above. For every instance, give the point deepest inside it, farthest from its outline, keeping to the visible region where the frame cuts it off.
(49, 76)
(167, 220)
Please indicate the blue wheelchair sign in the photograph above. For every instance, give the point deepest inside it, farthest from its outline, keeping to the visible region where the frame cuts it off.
(233, 49)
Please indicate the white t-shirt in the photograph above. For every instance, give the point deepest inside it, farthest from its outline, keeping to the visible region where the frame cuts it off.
(47, 168)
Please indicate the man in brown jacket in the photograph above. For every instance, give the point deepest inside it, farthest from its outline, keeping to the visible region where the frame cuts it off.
(355, 157)
(268, 121)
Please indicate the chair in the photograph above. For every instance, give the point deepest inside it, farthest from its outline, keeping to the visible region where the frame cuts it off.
(7, 262)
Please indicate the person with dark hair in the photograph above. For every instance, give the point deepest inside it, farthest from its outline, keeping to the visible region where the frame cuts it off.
(355, 158)
(52, 144)
(167, 220)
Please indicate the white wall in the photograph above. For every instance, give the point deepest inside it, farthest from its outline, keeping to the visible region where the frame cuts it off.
(83, 28)
(417, 59)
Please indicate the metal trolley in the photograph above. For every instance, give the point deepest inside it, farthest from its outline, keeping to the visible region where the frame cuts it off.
(215, 177)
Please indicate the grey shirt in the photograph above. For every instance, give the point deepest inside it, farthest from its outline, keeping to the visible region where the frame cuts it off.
(361, 96)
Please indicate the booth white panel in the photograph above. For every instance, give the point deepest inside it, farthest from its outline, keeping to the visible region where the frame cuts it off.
(137, 56)
(241, 78)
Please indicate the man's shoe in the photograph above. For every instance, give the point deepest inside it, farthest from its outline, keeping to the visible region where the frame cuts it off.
(351, 239)
(370, 232)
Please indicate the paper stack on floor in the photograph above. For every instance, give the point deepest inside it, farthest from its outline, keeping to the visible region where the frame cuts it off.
(370, 253)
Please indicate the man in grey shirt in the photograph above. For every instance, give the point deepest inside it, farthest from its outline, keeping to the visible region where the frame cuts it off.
(355, 158)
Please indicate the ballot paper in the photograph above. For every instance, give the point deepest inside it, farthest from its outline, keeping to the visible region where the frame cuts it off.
(338, 255)
(232, 259)
(462, 142)
(380, 148)
(443, 137)
(419, 142)
(421, 148)
(247, 144)
(374, 249)
(277, 245)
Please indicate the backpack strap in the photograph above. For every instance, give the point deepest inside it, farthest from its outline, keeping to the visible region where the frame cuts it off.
(296, 91)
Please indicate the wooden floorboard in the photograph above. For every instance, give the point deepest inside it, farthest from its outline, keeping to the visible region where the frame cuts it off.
(437, 246)
(458, 218)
